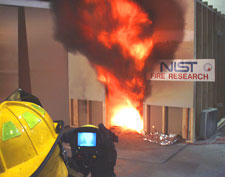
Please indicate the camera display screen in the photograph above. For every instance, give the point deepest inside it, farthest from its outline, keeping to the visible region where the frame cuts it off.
(86, 139)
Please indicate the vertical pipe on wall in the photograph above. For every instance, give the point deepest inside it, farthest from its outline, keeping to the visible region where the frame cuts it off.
(74, 122)
(185, 123)
(220, 67)
(87, 112)
(201, 55)
(205, 55)
(104, 112)
(198, 105)
(192, 128)
(223, 65)
(164, 119)
(24, 68)
(207, 52)
(196, 85)
(71, 111)
(149, 118)
(222, 29)
(145, 117)
(214, 55)
(75, 108)
(210, 55)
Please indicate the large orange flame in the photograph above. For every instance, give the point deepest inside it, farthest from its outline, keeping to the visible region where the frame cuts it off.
(120, 25)
(128, 117)
(117, 37)
(123, 101)
(130, 19)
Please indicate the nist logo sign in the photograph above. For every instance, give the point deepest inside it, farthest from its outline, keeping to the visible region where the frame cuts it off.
(185, 70)
(178, 66)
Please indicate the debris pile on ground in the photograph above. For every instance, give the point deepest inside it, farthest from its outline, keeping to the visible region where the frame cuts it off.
(161, 139)
(129, 138)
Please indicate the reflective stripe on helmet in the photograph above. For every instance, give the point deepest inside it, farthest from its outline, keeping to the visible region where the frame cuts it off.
(31, 119)
(39, 108)
(9, 131)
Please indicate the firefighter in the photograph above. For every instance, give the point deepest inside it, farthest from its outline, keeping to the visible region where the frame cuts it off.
(31, 143)
(99, 158)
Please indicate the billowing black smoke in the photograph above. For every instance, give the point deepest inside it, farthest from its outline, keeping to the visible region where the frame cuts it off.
(77, 30)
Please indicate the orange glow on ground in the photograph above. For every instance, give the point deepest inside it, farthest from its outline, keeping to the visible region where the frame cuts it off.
(127, 117)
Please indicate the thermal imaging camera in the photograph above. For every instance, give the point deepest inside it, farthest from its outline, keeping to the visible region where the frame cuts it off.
(85, 144)
(86, 139)
(89, 147)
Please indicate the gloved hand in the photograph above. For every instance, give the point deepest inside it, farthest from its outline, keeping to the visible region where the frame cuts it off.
(74, 173)
(75, 166)
(104, 166)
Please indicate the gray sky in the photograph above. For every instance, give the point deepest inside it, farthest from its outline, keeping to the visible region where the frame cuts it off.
(219, 4)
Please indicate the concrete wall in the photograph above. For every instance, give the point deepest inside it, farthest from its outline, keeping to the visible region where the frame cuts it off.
(169, 100)
(48, 64)
(171, 107)
(83, 83)
(172, 97)
(210, 42)
(175, 94)
(86, 93)
(48, 60)
(82, 77)
(8, 51)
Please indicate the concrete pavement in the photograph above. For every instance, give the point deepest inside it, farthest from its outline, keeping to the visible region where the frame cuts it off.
(202, 159)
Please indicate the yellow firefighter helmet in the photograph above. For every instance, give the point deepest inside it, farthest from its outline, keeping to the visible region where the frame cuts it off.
(29, 142)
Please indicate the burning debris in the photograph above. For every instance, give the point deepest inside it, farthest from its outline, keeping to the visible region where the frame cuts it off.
(161, 139)
(128, 135)
(118, 38)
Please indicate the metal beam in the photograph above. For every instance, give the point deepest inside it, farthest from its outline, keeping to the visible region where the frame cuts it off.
(26, 3)
(24, 66)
